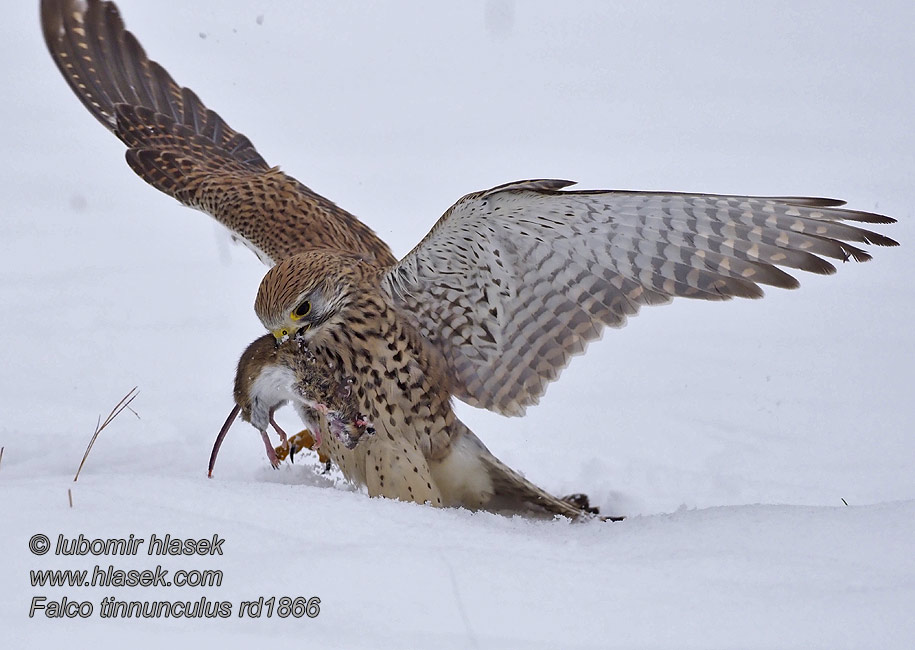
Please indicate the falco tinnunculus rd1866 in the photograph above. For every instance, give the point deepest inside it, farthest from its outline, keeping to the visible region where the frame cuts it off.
(489, 307)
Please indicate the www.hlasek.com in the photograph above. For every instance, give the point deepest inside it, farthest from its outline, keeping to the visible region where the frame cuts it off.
(109, 576)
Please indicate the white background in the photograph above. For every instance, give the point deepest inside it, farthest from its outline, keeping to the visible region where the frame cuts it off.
(728, 433)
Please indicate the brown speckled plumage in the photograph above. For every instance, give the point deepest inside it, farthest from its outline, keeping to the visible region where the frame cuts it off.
(420, 451)
(489, 307)
(179, 146)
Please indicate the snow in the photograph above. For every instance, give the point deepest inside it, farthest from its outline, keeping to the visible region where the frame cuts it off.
(729, 434)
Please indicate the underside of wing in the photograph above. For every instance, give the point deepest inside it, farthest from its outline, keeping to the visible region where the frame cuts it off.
(186, 150)
(514, 281)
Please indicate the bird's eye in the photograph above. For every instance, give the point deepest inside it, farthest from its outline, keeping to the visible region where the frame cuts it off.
(301, 311)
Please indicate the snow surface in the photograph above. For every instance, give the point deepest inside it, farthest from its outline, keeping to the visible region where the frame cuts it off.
(729, 434)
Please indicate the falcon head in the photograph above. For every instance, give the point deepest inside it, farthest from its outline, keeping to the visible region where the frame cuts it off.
(309, 293)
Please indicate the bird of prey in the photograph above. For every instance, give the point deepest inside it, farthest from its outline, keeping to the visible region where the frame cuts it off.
(489, 307)
(179, 146)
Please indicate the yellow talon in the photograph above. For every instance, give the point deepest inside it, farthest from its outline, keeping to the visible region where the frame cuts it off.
(302, 440)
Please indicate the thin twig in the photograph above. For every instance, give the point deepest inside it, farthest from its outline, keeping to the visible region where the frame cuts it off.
(70, 496)
(1, 454)
(116, 411)
(844, 501)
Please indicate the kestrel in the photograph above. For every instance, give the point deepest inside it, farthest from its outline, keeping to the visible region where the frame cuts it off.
(489, 307)
(179, 146)
(186, 150)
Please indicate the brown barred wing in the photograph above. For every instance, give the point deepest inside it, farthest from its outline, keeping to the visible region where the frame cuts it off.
(179, 146)
(105, 65)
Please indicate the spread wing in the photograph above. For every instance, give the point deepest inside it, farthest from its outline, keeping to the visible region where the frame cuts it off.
(179, 146)
(513, 281)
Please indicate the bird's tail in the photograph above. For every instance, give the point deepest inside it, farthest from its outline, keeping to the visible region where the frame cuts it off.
(472, 477)
(511, 491)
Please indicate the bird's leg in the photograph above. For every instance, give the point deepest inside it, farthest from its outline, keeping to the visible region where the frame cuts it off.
(304, 439)
(271, 453)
